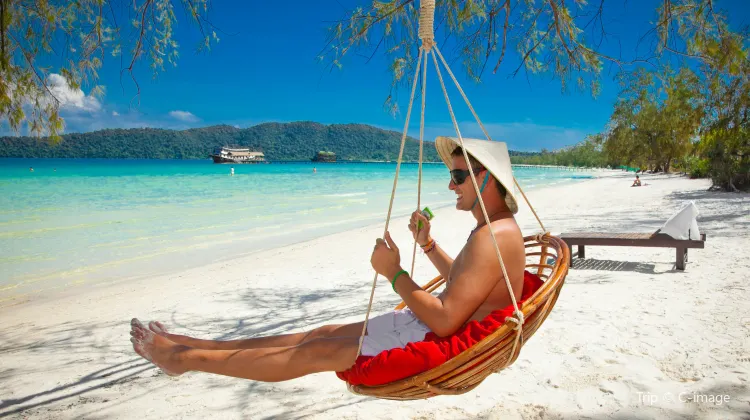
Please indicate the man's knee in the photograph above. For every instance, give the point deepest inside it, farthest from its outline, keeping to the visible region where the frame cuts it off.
(336, 330)
(331, 354)
(321, 332)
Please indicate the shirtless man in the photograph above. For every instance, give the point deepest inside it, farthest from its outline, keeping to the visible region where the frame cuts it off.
(475, 287)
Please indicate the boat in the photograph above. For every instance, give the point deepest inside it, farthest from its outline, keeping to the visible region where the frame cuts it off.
(237, 155)
(324, 157)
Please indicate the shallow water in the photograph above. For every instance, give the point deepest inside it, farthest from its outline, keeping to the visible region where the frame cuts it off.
(84, 221)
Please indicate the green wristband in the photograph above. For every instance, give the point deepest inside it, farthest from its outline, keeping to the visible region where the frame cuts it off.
(393, 282)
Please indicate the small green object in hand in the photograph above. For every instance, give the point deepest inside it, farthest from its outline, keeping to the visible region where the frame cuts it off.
(426, 213)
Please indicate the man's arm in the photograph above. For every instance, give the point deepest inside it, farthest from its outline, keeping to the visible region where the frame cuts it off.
(440, 260)
(469, 287)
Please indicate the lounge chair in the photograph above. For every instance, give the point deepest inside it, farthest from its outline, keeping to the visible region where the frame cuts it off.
(656, 240)
(679, 232)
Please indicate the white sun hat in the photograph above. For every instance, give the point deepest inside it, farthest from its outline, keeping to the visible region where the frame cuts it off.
(493, 155)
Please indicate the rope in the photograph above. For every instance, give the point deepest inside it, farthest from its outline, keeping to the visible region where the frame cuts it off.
(426, 24)
(476, 189)
(529, 204)
(421, 148)
(516, 342)
(393, 194)
(468, 103)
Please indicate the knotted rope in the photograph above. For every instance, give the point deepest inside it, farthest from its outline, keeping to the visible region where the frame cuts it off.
(427, 23)
(421, 148)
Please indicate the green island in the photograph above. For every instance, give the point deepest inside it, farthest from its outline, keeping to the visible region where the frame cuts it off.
(296, 141)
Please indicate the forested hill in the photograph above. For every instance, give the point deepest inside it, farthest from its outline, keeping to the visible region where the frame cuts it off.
(278, 141)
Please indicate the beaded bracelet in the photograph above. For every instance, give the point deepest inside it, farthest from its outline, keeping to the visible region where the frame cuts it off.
(429, 247)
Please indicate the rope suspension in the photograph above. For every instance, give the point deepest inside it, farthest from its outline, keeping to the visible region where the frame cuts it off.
(393, 195)
(429, 47)
(427, 23)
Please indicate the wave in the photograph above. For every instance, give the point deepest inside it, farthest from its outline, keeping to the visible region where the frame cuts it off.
(358, 194)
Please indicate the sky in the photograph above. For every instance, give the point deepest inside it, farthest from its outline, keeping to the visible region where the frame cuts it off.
(265, 68)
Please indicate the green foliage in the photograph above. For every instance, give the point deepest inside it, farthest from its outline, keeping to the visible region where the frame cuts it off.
(727, 152)
(547, 36)
(91, 32)
(552, 37)
(654, 120)
(697, 117)
(725, 94)
(695, 167)
(587, 154)
(287, 141)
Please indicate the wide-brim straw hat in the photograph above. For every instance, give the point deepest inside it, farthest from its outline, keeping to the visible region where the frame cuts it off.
(493, 155)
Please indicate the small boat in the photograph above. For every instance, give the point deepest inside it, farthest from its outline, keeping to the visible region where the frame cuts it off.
(237, 155)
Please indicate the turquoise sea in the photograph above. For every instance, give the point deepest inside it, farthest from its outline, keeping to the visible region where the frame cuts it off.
(74, 222)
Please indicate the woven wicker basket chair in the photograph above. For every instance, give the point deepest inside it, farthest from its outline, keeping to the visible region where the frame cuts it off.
(546, 255)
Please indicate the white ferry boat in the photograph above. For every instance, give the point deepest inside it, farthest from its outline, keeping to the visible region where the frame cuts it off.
(237, 155)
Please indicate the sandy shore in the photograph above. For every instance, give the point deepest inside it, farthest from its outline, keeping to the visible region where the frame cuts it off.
(630, 336)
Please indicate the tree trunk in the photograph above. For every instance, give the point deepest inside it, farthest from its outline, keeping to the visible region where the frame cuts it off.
(731, 187)
(2, 34)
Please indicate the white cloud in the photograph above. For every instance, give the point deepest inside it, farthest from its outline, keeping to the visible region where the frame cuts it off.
(78, 122)
(71, 99)
(183, 116)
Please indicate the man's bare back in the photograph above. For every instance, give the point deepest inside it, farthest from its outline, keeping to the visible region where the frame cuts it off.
(510, 241)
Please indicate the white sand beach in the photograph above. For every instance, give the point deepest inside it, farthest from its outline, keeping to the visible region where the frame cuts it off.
(630, 337)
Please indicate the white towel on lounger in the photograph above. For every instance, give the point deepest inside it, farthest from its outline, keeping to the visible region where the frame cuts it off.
(683, 224)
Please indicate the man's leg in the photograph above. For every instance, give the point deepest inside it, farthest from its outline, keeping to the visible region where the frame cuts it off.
(271, 364)
(283, 340)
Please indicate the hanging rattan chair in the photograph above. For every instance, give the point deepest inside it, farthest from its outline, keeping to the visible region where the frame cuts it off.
(546, 255)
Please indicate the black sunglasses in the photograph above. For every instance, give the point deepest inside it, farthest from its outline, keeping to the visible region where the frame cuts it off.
(458, 176)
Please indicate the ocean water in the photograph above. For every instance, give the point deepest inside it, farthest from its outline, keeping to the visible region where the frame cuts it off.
(75, 222)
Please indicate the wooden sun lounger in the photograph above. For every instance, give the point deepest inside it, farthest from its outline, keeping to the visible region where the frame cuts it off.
(657, 240)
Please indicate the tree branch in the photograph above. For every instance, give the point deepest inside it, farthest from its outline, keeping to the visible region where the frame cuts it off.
(505, 36)
(556, 20)
(528, 53)
(30, 61)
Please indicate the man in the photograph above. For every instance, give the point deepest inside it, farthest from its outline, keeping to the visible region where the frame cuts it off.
(475, 287)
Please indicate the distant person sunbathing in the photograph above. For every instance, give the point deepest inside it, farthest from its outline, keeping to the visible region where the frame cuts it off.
(637, 182)
(475, 288)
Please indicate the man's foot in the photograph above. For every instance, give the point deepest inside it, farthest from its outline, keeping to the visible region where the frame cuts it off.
(158, 328)
(156, 349)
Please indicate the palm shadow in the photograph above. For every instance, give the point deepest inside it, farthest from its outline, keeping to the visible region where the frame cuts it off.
(67, 339)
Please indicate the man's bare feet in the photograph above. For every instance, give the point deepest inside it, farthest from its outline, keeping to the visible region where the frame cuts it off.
(195, 343)
(158, 328)
(156, 349)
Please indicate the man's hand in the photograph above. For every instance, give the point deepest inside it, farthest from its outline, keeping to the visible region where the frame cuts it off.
(386, 259)
(422, 236)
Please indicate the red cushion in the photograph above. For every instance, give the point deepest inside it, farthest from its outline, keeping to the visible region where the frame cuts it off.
(392, 365)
